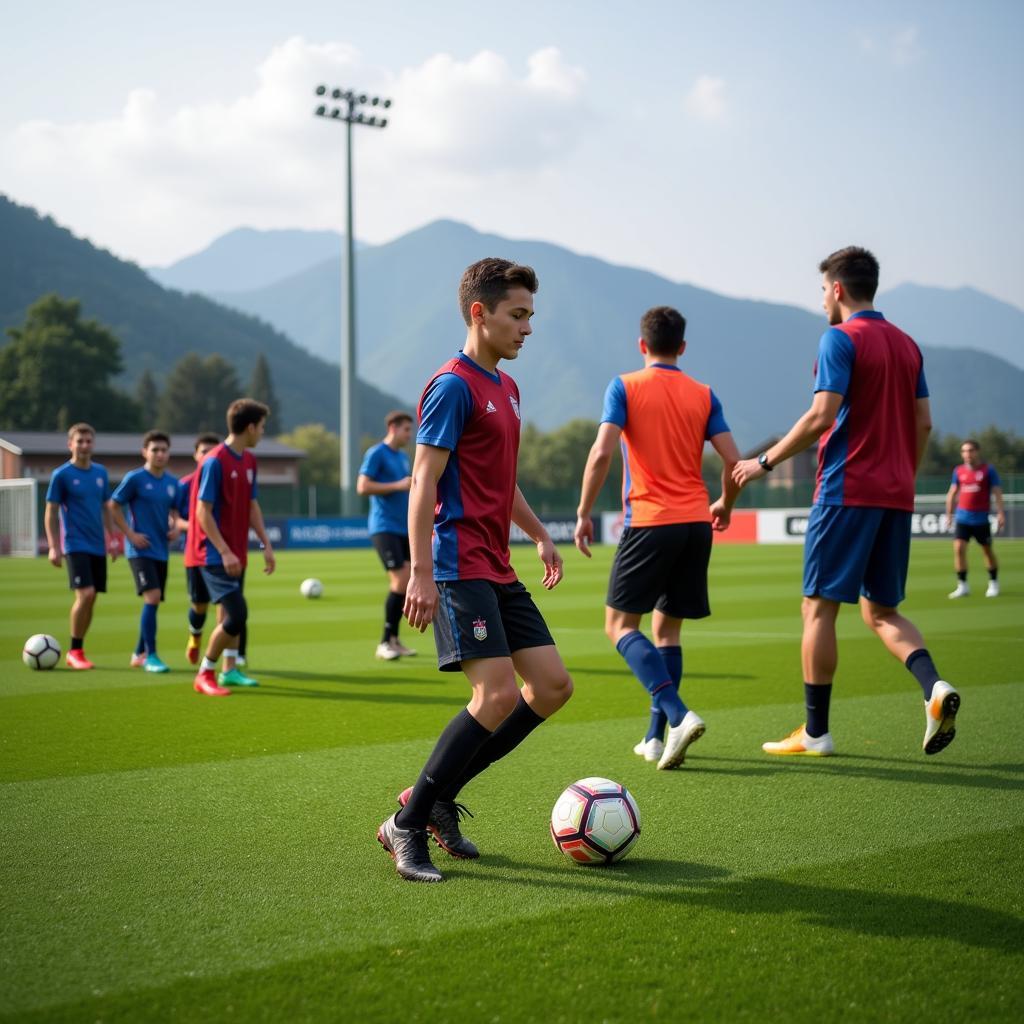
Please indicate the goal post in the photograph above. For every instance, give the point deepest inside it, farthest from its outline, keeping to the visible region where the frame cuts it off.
(19, 522)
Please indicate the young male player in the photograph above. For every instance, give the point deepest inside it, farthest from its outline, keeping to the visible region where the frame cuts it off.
(485, 622)
(975, 484)
(385, 477)
(662, 418)
(871, 412)
(79, 528)
(222, 508)
(150, 495)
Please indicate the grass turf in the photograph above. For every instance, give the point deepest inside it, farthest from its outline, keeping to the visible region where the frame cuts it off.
(167, 856)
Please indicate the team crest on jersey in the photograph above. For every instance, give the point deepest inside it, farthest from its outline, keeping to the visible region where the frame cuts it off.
(480, 629)
(979, 475)
(248, 475)
(515, 407)
(170, 490)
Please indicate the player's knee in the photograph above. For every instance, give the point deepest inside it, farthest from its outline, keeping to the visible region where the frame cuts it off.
(560, 688)
(236, 613)
(151, 596)
(875, 616)
(85, 596)
(500, 700)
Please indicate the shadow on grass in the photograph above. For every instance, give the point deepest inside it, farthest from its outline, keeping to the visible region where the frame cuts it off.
(369, 679)
(626, 674)
(381, 696)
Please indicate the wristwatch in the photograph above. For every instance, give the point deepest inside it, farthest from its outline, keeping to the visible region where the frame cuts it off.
(762, 461)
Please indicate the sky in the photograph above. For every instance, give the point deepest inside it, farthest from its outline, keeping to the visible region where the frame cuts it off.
(728, 145)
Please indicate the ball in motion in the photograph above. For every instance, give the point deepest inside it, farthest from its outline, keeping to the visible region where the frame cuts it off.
(595, 821)
(41, 651)
(311, 588)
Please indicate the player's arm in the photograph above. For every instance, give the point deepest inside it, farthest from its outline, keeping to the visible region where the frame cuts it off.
(721, 510)
(818, 418)
(595, 472)
(108, 528)
(951, 494)
(140, 540)
(923, 426)
(207, 523)
(997, 497)
(368, 486)
(421, 595)
(51, 523)
(256, 522)
(526, 519)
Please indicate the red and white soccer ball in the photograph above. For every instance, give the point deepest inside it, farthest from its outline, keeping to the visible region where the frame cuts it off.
(40, 651)
(595, 821)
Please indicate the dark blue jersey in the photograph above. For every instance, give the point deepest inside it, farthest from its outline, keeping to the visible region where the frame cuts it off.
(389, 513)
(81, 494)
(149, 500)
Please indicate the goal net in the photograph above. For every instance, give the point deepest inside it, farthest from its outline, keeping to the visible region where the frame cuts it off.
(19, 525)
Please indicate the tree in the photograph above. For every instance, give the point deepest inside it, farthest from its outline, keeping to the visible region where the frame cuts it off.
(1002, 448)
(198, 393)
(323, 454)
(57, 369)
(147, 397)
(261, 387)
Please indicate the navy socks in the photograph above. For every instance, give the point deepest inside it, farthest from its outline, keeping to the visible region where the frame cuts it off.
(817, 700)
(148, 627)
(922, 668)
(649, 667)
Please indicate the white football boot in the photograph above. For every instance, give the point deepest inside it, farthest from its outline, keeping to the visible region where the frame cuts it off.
(962, 590)
(688, 731)
(650, 750)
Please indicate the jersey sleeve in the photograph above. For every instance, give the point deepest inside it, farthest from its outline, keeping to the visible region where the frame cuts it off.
(446, 407)
(181, 502)
(125, 490)
(106, 486)
(716, 419)
(614, 410)
(993, 477)
(255, 492)
(209, 480)
(55, 491)
(922, 384)
(371, 463)
(835, 362)
(954, 479)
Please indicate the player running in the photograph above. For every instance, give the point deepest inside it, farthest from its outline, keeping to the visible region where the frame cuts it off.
(385, 476)
(80, 529)
(221, 510)
(975, 484)
(662, 418)
(871, 412)
(150, 495)
(485, 622)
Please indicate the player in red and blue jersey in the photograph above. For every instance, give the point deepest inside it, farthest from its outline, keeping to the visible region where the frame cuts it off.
(661, 417)
(79, 529)
(221, 510)
(464, 493)
(974, 487)
(150, 496)
(871, 413)
(385, 475)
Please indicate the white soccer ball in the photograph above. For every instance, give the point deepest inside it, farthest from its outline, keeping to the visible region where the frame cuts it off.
(41, 651)
(595, 821)
(311, 588)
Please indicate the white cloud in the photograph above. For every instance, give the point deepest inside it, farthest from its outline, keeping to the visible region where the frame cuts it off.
(153, 182)
(706, 99)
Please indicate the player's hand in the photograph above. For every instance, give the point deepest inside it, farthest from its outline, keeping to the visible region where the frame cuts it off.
(139, 540)
(746, 470)
(232, 564)
(1001, 521)
(553, 568)
(269, 559)
(173, 534)
(721, 515)
(583, 535)
(421, 600)
(55, 557)
(114, 547)
(405, 484)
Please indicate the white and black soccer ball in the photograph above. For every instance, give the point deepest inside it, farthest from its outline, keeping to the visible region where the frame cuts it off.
(595, 821)
(311, 588)
(41, 651)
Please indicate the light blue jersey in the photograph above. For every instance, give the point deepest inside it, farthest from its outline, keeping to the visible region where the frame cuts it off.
(389, 513)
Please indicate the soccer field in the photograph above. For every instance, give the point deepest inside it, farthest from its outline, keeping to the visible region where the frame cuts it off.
(170, 856)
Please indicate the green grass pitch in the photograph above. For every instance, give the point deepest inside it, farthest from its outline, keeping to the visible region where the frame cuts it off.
(171, 857)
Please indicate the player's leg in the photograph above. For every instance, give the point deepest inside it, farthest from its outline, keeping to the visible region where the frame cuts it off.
(199, 603)
(231, 673)
(398, 582)
(984, 536)
(87, 576)
(961, 537)
(226, 594)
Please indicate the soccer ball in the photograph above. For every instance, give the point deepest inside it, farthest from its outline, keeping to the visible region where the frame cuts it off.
(311, 588)
(41, 651)
(595, 821)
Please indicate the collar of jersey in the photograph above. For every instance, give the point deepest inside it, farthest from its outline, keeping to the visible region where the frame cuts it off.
(867, 314)
(665, 366)
(476, 366)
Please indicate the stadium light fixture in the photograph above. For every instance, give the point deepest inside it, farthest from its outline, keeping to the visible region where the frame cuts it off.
(348, 112)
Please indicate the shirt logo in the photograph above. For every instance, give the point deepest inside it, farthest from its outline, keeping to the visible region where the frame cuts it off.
(170, 491)
(515, 407)
(74, 483)
(99, 482)
(480, 625)
(149, 487)
(490, 407)
(234, 474)
(248, 475)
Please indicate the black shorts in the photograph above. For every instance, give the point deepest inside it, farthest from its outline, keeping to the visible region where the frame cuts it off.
(86, 570)
(393, 549)
(982, 533)
(481, 619)
(198, 592)
(663, 567)
(149, 574)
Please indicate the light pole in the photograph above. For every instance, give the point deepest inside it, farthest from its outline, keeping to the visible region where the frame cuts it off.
(347, 111)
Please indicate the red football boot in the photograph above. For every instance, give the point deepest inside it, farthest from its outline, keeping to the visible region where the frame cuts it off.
(206, 682)
(192, 650)
(77, 659)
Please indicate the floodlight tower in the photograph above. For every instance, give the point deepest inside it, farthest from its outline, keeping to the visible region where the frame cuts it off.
(347, 110)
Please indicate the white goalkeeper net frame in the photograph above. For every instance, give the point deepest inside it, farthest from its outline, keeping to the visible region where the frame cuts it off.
(19, 522)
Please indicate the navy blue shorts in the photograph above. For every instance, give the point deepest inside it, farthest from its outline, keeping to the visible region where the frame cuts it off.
(849, 552)
(196, 585)
(149, 574)
(219, 583)
(981, 532)
(86, 570)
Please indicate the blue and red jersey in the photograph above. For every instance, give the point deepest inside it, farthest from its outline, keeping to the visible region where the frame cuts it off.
(81, 495)
(868, 458)
(974, 497)
(474, 414)
(665, 417)
(227, 481)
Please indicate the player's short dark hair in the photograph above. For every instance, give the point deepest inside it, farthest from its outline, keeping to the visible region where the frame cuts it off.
(663, 329)
(80, 428)
(243, 412)
(155, 435)
(489, 280)
(396, 418)
(856, 269)
(208, 437)
(970, 440)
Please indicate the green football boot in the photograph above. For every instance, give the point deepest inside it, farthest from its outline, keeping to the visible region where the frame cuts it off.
(236, 677)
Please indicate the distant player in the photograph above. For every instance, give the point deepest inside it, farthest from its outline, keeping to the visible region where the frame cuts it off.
(385, 476)
(975, 485)
(662, 418)
(871, 412)
(198, 595)
(80, 529)
(150, 497)
(222, 509)
(485, 622)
